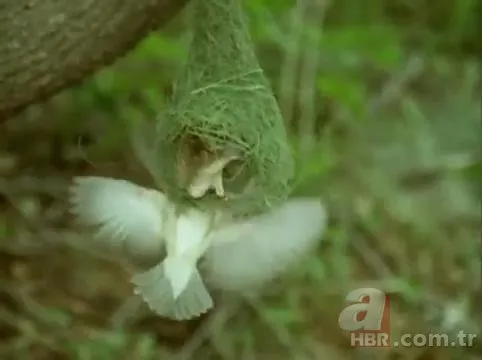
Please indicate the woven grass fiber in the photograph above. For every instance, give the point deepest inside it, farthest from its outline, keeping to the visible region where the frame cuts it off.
(222, 100)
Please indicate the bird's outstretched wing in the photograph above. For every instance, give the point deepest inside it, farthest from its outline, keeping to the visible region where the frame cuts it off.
(245, 255)
(124, 214)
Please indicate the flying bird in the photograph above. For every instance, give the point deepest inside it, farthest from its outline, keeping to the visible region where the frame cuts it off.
(237, 254)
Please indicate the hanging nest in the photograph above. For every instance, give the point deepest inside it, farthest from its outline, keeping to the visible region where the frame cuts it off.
(221, 103)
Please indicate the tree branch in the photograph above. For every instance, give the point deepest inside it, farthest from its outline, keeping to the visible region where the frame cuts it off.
(49, 45)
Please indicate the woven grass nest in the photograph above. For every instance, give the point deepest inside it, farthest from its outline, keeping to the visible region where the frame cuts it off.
(221, 104)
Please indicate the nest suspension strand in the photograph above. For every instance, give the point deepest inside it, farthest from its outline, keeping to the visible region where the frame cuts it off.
(222, 102)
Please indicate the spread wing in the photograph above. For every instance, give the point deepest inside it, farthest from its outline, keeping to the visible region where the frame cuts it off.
(123, 213)
(247, 254)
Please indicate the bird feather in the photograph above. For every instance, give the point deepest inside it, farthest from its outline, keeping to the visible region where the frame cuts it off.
(123, 213)
(246, 254)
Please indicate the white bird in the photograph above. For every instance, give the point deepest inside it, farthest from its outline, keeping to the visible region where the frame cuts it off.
(210, 177)
(174, 288)
(238, 255)
(144, 222)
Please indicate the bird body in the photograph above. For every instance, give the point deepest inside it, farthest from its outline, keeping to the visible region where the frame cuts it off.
(237, 255)
(175, 288)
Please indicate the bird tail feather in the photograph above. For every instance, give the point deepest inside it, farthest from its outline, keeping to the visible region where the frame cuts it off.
(174, 289)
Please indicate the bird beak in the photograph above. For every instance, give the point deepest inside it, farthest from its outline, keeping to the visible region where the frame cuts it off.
(210, 176)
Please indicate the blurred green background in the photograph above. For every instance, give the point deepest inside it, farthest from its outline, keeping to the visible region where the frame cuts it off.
(382, 102)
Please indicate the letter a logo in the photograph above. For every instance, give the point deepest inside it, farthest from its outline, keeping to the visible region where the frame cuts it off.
(368, 312)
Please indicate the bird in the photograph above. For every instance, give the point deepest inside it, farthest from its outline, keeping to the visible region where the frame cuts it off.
(210, 176)
(174, 288)
(194, 247)
(145, 224)
(201, 169)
